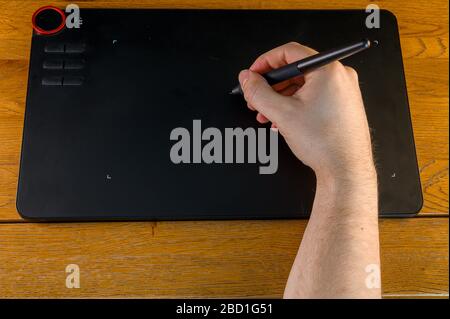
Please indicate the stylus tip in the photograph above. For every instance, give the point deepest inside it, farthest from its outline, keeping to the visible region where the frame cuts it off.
(237, 90)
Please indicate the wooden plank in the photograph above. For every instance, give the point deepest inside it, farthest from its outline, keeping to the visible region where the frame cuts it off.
(428, 98)
(200, 259)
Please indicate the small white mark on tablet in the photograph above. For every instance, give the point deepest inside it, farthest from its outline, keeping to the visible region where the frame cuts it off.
(393, 175)
(114, 41)
(108, 177)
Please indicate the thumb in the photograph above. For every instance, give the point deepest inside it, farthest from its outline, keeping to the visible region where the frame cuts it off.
(260, 95)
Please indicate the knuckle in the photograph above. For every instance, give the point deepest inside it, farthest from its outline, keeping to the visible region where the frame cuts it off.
(336, 70)
(331, 69)
(293, 44)
(352, 72)
(336, 67)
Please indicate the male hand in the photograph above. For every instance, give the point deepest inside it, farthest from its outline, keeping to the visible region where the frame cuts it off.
(321, 115)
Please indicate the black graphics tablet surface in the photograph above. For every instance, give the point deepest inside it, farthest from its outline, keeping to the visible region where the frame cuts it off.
(104, 100)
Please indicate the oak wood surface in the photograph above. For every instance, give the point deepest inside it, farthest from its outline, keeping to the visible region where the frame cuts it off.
(200, 259)
(232, 258)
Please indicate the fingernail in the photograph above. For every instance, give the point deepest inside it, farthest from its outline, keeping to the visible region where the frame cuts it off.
(274, 127)
(243, 77)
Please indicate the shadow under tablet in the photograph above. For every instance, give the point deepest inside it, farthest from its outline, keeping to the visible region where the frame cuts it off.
(96, 142)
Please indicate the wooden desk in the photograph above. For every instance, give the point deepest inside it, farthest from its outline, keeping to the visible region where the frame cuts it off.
(221, 258)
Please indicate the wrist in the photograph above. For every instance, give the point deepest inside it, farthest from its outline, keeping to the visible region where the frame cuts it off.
(355, 188)
(348, 169)
(354, 176)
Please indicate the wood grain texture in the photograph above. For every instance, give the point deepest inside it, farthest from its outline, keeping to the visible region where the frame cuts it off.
(200, 259)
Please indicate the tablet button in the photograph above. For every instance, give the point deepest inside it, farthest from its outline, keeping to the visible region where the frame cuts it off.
(74, 64)
(75, 47)
(52, 80)
(72, 80)
(54, 48)
(53, 64)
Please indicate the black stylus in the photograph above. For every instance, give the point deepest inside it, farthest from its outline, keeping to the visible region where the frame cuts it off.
(301, 67)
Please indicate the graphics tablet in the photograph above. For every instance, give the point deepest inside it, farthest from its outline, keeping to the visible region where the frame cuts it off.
(104, 99)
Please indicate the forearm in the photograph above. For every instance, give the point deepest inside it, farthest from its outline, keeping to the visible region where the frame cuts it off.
(322, 118)
(340, 242)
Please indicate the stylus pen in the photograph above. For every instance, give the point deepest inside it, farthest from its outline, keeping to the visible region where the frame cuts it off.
(308, 64)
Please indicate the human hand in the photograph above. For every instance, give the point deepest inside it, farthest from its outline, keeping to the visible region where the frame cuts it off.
(320, 115)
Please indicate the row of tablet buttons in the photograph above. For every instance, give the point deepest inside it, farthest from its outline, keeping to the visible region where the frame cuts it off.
(65, 48)
(62, 81)
(59, 64)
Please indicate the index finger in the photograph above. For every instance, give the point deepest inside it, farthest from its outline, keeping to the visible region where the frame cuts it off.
(280, 56)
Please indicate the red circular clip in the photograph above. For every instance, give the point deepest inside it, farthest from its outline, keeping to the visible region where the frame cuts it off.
(48, 32)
